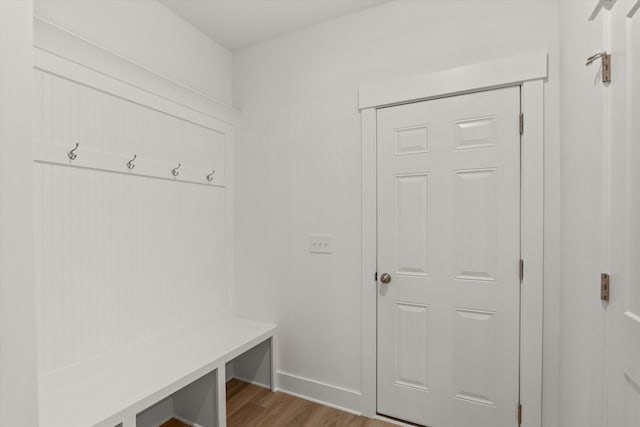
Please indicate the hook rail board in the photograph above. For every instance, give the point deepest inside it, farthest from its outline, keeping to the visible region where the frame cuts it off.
(93, 159)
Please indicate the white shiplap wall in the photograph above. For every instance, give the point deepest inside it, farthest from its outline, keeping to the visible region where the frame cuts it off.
(122, 255)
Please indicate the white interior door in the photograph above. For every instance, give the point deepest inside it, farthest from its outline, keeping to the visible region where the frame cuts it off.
(623, 310)
(449, 239)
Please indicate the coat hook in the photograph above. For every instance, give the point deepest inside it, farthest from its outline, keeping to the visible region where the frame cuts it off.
(594, 57)
(71, 154)
(634, 9)
(130, 164)
(174, 171)
(210, 176)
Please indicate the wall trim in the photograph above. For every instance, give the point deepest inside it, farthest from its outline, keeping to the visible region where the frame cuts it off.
(532, 250)
(58, 41)
(484, 75)
(529, 71)
(98, 79)
(318, 392)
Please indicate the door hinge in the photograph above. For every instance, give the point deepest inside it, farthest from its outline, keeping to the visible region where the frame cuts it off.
(521, 270)
(521, 123)
(519, 413)
(604, 287)
(606, 68)
(376, 276)
(606, 65)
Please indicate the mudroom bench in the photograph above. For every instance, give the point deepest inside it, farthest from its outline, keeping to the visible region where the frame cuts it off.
(178, 374)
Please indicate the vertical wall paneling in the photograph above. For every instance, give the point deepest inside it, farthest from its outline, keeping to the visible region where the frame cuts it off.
(123, 254)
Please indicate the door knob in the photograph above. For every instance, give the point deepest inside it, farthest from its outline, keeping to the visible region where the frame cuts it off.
(385, 278)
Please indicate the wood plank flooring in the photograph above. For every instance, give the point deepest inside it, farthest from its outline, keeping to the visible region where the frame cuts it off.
(252, 406)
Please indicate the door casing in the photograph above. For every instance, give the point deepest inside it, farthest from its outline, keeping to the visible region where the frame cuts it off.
(528, 70)
(616, 403)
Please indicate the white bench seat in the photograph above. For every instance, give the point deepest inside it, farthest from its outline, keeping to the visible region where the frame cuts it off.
(112, 388)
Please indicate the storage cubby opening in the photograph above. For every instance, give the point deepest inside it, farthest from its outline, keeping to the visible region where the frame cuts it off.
(194, 404)
(253, 366)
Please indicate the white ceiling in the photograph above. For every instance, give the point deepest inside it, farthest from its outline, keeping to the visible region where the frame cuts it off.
(236, 24)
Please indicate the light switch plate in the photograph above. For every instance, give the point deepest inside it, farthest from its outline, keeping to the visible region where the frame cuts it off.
(320, 244)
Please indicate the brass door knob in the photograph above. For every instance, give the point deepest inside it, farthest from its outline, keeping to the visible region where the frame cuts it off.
(385, 278)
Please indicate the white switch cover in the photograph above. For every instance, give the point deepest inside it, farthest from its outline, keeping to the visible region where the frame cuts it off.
(320, 244)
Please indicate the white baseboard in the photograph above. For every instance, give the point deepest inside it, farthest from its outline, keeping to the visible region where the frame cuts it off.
(325, 394)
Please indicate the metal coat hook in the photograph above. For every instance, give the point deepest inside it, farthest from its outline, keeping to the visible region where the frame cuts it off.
(210, 176)
(634, 9)
(594, 57)
(606, 64)
(602, 4)
(174, 171)
(130, 164)
(71, 154)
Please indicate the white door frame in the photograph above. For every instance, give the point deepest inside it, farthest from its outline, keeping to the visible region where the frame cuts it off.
(529, 71)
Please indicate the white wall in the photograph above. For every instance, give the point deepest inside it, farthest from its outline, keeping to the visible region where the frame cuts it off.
(582, 321)
(18, 399)
(147, 33)
(298, 167)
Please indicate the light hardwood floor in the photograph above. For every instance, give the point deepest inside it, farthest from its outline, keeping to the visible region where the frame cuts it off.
(252, 406)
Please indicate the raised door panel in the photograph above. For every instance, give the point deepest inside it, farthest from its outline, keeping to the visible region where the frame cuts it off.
(412, 337)
(412, 224)
(474, 133)
(474, 365)
(411, 140)
(476, 227)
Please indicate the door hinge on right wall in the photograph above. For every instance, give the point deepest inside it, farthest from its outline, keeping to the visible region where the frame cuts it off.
(606, 65)
(519, 413)
(521, 123)
(604, 286)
